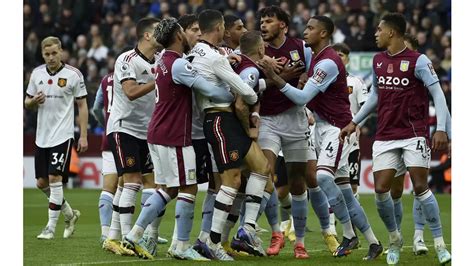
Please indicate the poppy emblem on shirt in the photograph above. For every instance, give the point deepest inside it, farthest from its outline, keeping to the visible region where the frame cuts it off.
(404, 65)
(62, 82)
(350, 89)
(294, 55)
(234, 155)
(390, 68)
(319, 75)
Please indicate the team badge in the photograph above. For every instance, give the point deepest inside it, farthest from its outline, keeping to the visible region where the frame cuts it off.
(404, 65)
(124, 67)
(188, 67)
(390, 68)
(294, 55)
(62, 82)
(192, 174)
(234, 155)
(350, 89)
(130, 161)
(319, 75)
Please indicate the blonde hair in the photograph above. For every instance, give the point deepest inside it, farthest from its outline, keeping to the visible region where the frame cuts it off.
(50, 40)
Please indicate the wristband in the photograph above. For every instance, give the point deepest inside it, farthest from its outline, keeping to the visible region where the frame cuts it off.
(262, 85)
(255, 114)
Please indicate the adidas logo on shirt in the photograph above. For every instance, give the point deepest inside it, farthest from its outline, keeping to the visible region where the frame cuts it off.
(144, 72)
(41, 82)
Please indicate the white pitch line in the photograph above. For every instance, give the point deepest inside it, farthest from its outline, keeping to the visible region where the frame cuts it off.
(169, 259)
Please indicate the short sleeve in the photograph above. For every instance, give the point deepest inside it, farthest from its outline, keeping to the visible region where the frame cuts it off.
(80, 87)
(31, 90)
(124, 69)
(250, 76)
(425, 72)
(183, 72)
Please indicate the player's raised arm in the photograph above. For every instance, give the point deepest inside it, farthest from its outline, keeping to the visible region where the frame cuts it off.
(223, 70)
(184, 73)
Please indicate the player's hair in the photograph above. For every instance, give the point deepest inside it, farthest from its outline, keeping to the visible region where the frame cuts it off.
(396, 21)
(412, 40)
(249, 41)
(229, 21)
(50, 40)
(328, 24)
(145, 25)
(342, 47)
(186, 21)
(275, 11)
(166, 30)
(208, 19)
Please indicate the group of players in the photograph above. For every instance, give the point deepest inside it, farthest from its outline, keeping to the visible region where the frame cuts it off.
(201, 99)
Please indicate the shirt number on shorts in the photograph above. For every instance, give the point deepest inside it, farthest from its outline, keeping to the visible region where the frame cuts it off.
(56, 160)
(422, 148)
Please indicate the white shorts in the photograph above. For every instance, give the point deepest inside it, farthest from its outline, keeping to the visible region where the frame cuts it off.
(311, 147)
(330, 153)
(287, 131)
(174, 166)
(353, 142)
(108, 163)
(400, 154)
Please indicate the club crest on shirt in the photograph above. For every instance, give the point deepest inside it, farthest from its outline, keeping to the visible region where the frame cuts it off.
(130, 161)
(390, 68)
(404, 65)
(319, 75)
(234, 155)
(350, 89)
(294, 55)
(62, 82)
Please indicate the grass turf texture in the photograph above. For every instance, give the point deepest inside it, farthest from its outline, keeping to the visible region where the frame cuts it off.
(84, 248)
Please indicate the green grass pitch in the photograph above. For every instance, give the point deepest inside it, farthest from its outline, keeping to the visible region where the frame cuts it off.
(84, 249)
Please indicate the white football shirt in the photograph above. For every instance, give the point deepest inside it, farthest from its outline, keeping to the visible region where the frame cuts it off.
(358, 94)
(215, 68)
(56, 115)
(132, 117)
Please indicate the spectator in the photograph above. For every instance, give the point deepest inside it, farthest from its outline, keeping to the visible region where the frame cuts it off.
(98, 51)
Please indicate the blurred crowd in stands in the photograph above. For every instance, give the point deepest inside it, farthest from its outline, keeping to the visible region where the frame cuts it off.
(94, 32)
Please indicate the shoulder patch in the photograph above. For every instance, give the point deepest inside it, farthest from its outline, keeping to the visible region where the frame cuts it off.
(319, 75)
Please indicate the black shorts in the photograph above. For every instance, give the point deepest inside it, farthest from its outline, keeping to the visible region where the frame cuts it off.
(228, 139)
(54, 160)
(131, 154)
(354, 167)
(281, 173)
(203, 161)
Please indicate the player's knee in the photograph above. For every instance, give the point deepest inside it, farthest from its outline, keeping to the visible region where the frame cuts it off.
(55, 178)
(41, 183)
(381, 188)
(419, 188)
(396, 192)
(172, 192)
(298, 186)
